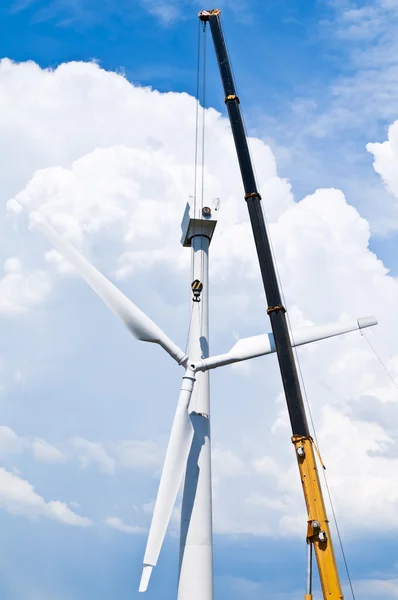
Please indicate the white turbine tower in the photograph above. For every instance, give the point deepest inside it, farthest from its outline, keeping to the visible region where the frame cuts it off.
(188, 453)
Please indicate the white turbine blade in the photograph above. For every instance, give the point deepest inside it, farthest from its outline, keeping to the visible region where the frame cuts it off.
(259, 345)
(145, 577)
(173, 470)
(141, 326)
(306, 335)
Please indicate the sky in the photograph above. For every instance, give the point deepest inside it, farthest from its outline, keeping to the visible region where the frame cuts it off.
(97, 122)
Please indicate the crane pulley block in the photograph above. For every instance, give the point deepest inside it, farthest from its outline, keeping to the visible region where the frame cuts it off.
(196, 287)
(204, 15)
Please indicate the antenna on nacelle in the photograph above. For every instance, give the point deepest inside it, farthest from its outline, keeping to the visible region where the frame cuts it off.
(216, 204)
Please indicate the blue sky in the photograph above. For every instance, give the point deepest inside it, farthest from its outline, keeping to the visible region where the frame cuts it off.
(281, 42)
(318, 81)
(288, 58)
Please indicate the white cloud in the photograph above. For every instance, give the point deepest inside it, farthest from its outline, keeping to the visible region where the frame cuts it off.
(266, 465)
(93, 453)
(10, 442)
(166, 12)
(117, 523)
(367, 90)
(225, 463)
(377, 589)
(18, 497)
(372, 589)
(386, 159)
(45, 452)
(87, 191)
(19, 291)
(138, 454)
(319, 133)
(123, 187)
(42, 451)
(122, 454)
(107, 456)
(59, 511)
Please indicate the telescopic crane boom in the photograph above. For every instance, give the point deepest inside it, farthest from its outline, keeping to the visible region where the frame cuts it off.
(318, 533)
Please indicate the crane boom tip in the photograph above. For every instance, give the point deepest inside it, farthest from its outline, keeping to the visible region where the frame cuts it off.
(204, 15)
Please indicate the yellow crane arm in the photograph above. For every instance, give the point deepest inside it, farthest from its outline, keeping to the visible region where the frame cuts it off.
(318, 533)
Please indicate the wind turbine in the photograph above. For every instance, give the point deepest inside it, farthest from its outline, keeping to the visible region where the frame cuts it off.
(188, 453)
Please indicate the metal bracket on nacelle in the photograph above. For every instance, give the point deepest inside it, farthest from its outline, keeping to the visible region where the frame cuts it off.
(197, 221)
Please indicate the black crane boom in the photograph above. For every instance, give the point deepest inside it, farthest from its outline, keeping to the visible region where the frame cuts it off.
(318, 532)
(275, 309)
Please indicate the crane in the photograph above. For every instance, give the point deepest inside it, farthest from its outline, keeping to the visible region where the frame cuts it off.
(318, 535)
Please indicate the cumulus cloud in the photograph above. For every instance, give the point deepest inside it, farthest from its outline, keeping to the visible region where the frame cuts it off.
(45, 452)
(107, 456)
(19, 290)
(13, 444)
(18, 497)
(129, 183)
(226, 463)
(10, 442)
(125, 186)
(117, 523)
(93, 453)
(124, 454)
(377, 588)
(385, 156)
(138, 454)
